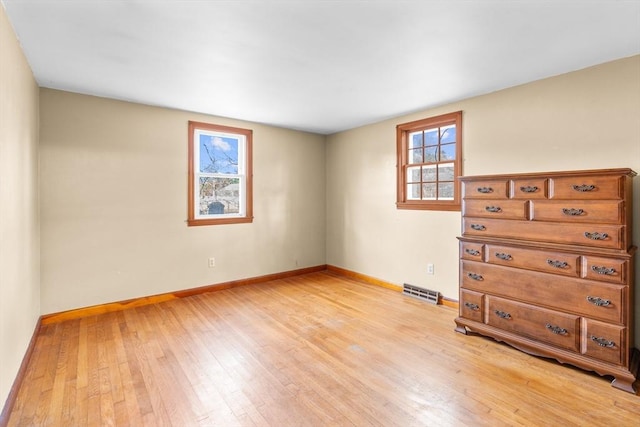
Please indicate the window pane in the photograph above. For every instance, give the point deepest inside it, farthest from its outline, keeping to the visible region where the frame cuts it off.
(448, 134)
(218, 196)
(431, 137)
(428, 191)
(431, 154)
(413, 191)
(446, 172)
(429, 174)
(415, 156)
(415, 140)
(413, 174)
(445, 191)
(447, 152)
(218, 154)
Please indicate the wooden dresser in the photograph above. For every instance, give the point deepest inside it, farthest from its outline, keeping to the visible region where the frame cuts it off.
(546, 265)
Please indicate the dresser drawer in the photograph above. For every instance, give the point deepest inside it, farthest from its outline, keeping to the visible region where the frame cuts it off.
(560, 329)
(601, 301)
(529, 188)
(611, 270)
(496, 208)
(486, 189)
(472, 251)
(594, 235)
(605, 342)
(471, 305)
(588, 187)
(597, 211)
(530, 259)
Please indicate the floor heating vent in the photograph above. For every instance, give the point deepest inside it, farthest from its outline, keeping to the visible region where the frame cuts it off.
(421, 293)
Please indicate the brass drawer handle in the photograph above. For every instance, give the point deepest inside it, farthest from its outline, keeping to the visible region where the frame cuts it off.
(529, 189)
(573, 212)
(556, 329)
(504, 256)
(478, 227)
(584, 188)
(602, 342)
(502, 314)
(595, 235)
(484, 190)
(557, 264)
(473, 252)
(493, 209)
(472, 306)
(475, 276)
(599, 301)
(603, 270)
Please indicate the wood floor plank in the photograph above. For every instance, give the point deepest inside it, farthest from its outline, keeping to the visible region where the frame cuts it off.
(312, 350)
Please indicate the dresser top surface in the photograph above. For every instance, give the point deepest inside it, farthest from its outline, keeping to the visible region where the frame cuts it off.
(590, 172)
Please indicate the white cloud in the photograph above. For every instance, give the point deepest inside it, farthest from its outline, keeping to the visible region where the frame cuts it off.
(221, 144)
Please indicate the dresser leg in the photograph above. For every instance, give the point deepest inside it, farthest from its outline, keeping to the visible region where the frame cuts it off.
(626, 384)
(460, 328)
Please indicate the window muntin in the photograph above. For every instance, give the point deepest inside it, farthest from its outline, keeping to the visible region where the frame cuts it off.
(429, 161)
(220, 173)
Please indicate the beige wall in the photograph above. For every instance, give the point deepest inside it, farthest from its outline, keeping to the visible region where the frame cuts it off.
(114, 204)
(587, 119)
(19, 227)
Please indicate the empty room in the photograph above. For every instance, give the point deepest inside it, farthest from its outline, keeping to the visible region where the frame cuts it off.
(319, 213)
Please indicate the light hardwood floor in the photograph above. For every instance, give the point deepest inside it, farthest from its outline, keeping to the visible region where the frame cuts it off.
(313, 350)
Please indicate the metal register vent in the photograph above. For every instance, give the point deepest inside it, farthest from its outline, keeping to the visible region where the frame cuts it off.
(421, 293)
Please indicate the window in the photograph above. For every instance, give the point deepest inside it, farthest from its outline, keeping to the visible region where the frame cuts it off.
(429, 162)
(220, 175)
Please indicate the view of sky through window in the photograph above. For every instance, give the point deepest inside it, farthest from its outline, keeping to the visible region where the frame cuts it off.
(218, 154)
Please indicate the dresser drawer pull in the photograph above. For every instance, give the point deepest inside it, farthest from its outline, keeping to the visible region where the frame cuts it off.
(598, 301)
(572, 212)
(473, 252)
(493, 209)
(485, 190)
(602, 342)
(472, 306)
(603, 270)
(475, 276)
(595, 235)
(584, 188)
(502, 314)
(478, 227)
(529, 189)
(556, 329)
(557, 264)
(504, 256)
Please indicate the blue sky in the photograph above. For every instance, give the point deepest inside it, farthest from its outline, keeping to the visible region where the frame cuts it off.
(218, 154)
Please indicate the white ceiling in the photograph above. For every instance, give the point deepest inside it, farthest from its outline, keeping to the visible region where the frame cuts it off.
(316, 65)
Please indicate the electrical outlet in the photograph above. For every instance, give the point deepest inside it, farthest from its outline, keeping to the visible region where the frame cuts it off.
(430, 268)
(212, 262)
